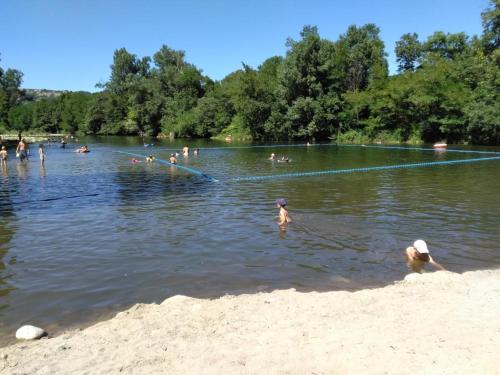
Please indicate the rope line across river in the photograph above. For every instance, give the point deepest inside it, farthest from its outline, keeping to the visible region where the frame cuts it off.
(325, 172)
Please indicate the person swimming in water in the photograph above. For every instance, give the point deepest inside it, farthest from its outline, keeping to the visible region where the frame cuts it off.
(150, 159)
(173, 159)
(284, 159)
(418, 255)
(283, 217)
(196, 151)
(185, 151)
(272, 157)
(82, 150)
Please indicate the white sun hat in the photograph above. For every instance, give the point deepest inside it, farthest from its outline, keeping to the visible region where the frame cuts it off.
(421, 246)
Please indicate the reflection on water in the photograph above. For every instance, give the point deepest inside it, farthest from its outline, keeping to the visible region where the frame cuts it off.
(88, 234)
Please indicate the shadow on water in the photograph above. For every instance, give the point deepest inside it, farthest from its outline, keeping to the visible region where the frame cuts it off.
(90, 235)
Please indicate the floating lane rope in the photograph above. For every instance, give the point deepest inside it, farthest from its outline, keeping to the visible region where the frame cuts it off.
(367, 169)
(161, 161)
(424, 149)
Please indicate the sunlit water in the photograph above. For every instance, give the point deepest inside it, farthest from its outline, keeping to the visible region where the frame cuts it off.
(91, 234)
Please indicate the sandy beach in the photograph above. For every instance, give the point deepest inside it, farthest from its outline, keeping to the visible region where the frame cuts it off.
(437, 323)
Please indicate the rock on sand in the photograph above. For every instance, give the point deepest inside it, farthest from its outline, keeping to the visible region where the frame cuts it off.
(28, 332)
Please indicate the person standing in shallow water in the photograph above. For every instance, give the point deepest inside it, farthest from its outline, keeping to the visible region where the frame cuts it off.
(283, 217)
(22, 150)
(418, 255)
(41, 153)
(3, 156)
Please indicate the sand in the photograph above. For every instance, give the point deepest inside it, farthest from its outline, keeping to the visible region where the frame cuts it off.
(439, 323)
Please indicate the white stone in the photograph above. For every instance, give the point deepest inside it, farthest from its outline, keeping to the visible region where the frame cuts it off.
(28, 332)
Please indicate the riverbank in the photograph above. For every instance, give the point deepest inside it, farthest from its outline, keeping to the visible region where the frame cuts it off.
(437, 323)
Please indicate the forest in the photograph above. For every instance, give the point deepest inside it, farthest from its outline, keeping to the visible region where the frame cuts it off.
(446, 88)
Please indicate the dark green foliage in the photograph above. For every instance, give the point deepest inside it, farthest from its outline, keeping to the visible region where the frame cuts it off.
(491, 25)
(408, 52)
(10, 94)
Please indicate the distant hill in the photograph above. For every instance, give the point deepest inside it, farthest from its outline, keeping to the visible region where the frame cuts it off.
(39, 94)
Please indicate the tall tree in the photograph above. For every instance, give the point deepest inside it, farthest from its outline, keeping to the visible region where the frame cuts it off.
(408, 52)
(491, 27)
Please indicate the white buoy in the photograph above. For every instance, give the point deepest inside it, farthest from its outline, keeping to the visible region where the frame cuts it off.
(28, 332)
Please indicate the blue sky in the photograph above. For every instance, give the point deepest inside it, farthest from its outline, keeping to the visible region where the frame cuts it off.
(69, 44)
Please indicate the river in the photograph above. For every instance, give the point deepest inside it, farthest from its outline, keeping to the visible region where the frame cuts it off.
(92, 234)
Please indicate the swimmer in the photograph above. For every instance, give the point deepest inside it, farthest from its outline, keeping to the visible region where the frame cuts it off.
(82, 150)
(135, 161)
(185, 151)
(196, 151)
(3, 155)
(150, 159)
(284, 217)
(272, 157)
(41, 153)
(308, 144)
(418, 254)
(284, 159)
(173, 159)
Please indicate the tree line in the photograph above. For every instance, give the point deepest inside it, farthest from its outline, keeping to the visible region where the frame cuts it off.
(447, 88)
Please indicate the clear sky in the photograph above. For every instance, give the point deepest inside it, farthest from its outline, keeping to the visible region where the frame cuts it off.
(69, 44)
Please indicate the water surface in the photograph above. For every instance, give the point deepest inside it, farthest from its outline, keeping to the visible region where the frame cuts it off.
(91, 234)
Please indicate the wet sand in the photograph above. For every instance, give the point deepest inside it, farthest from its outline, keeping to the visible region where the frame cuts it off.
(437, 323)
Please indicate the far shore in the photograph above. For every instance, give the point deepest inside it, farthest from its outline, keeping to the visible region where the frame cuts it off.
(435, 323)
(12, 137)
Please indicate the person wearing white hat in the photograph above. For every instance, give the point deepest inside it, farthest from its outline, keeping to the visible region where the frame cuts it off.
(418, 254)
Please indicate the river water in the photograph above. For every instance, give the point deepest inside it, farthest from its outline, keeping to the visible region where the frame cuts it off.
(91, 234)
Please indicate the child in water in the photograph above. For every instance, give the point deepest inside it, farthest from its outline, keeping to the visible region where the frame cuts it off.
(150, 159)
(418, 254)
(3, 155)
(284, 216)
(41, 153)
(173, 159)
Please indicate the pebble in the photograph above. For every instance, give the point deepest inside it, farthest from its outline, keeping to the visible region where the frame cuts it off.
(28, 332)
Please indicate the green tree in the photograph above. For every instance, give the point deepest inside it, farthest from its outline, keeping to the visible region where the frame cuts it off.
(408, 52)
(491, 27)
